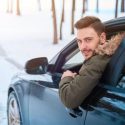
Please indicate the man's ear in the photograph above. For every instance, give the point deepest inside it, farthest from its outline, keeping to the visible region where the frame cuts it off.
(103, 38)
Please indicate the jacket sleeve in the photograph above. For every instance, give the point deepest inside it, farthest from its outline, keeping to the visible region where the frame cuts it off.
(73, 91)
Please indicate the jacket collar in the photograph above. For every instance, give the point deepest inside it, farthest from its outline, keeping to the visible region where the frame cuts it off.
(110, 46)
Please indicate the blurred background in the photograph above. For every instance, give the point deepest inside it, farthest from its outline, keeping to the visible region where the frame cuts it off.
(36, 28)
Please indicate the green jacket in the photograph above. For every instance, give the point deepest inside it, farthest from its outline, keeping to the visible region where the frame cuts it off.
(73, 91)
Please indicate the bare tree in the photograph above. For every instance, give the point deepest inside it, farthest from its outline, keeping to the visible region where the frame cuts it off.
(97, 6)
(72, 19)
(62, 20)
(39, 5)
(9, 6)
(86, 5)
(83, 7)
(18, 7)
(55, 38)
(116, 9)
(123, 6)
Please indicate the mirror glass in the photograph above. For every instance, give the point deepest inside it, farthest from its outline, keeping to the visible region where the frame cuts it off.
(37, 66)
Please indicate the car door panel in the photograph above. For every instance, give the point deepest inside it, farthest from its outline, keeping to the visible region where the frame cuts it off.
(108, 110)
(45, 105)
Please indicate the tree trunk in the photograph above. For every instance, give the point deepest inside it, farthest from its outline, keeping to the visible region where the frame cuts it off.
(18, 7)
(116, 9)
(62, 20)
(72, 20)
(9, 6)
(123, 6)
(84, 7)
(97, 6)
(39, 5)
(55, 38)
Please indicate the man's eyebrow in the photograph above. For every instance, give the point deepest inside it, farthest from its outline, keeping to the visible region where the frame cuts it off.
(88, 37)
(84, 38)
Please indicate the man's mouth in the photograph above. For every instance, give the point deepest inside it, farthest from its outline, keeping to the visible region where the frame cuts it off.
(86, 52)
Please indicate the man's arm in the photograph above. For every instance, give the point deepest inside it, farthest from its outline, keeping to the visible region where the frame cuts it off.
(73, 90)
(68, 73)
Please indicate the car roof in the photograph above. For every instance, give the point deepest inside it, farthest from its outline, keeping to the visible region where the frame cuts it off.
(115, 21)
(117, 24)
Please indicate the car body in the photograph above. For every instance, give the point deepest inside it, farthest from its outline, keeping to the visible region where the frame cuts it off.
(33, 97)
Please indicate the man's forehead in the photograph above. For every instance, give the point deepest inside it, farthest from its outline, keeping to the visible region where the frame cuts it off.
(87, 29)
(86, 33)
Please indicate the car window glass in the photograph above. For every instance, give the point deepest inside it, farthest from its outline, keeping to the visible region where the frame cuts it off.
(53, 60)
(76, 59)
(121, 84)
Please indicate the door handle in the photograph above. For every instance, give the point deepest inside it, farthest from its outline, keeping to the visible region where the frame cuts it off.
(77, 112)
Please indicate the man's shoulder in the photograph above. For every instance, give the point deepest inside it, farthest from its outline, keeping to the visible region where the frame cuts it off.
(95, 65)
(98, 59)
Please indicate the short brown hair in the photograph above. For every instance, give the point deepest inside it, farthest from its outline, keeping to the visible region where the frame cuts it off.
(91, 21)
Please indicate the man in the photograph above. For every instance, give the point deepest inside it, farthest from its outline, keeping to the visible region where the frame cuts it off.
(73, 87)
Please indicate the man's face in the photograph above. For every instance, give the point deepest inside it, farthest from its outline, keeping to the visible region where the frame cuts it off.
(88, 40)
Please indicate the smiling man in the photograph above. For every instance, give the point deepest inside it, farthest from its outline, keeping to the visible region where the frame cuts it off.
(73, 87)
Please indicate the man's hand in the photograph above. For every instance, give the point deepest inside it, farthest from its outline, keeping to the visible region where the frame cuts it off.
(68, 73)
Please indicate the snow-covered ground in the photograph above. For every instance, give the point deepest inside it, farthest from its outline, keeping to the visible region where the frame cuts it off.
(31, 35)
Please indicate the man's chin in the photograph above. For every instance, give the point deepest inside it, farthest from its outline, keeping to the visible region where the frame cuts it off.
(87, 57)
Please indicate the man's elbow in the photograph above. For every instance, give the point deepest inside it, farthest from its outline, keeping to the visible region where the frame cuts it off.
(69, 101)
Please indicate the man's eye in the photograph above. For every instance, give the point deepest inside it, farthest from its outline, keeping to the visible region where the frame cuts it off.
(88, 40)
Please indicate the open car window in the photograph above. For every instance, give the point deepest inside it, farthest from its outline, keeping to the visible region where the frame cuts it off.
(76, 59)
(121, 83)
(73, 60)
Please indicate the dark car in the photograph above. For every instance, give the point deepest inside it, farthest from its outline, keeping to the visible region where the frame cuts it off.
(33, 97)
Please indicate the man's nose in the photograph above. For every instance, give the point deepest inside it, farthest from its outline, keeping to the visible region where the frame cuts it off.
(83, 46)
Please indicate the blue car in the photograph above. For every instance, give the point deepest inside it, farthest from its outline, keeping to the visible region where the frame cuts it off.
(33, 97)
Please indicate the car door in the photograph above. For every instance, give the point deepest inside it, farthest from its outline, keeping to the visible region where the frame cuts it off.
(107, 102)
(45, 106)
(108, 105)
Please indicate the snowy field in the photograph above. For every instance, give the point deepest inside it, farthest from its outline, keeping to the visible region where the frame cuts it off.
(30, 35)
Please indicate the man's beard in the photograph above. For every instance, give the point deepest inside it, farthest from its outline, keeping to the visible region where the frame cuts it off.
(85, 51)
(88, 53)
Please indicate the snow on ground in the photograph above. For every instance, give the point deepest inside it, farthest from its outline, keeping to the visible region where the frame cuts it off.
(23, 38)
(7, 72)
(30, 35)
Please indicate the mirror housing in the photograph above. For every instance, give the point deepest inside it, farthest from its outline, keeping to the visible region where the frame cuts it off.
(37, 66)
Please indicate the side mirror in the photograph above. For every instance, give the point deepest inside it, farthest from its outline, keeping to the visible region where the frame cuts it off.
(37, 66)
